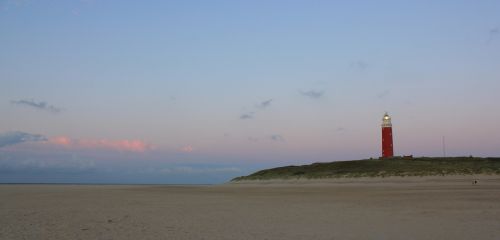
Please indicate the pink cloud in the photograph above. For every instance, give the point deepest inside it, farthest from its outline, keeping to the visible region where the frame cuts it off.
(119, 145)
(186, 149)
(60, 140)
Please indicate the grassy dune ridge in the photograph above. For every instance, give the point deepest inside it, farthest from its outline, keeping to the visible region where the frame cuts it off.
(422, 166)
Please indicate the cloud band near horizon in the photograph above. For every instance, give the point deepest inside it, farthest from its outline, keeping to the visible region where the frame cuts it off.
(18, 137)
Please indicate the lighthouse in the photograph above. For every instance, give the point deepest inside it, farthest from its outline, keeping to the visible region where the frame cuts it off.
(387, 148)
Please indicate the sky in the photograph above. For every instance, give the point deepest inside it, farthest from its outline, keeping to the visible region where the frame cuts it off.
(190, 92)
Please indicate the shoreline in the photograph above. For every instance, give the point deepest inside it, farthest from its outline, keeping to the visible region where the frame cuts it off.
(401, 180)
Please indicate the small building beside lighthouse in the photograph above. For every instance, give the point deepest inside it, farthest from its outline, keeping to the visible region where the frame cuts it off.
(387, 145)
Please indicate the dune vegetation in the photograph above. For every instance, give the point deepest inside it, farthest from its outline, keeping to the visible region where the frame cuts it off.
(397, 166)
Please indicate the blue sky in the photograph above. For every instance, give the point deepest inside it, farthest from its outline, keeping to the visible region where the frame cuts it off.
(203, 91)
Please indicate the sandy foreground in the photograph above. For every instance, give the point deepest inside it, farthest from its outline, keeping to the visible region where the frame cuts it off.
(394, 208)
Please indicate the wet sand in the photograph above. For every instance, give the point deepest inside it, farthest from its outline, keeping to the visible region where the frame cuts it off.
(439, 208)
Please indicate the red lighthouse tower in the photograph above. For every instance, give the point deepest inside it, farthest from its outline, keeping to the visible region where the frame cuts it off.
(387, 148)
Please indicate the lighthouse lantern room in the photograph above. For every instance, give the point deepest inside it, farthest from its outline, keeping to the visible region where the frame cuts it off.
(387, 147)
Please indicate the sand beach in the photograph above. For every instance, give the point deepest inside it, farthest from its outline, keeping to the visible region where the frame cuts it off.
(394, 208)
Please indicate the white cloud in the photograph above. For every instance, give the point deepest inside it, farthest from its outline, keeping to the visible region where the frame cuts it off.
(312, 94)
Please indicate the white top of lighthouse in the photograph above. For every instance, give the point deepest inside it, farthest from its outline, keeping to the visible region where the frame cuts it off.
(386, 120)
